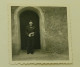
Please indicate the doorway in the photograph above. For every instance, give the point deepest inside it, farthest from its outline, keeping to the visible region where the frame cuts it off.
(25, 17)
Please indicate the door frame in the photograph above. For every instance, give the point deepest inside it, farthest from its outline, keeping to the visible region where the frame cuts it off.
(16, 38)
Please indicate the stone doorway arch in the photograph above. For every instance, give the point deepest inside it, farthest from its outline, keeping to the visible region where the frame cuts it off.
(17, 38)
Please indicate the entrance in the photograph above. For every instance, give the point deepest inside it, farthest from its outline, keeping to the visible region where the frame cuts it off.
(25, 17)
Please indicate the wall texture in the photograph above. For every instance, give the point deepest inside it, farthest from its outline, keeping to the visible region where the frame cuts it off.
(56, 28)
(55, 19)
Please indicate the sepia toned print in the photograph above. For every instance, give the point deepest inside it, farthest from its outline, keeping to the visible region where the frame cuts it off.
(39, 34)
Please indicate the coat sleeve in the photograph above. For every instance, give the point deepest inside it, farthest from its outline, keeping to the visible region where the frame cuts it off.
(26, 31)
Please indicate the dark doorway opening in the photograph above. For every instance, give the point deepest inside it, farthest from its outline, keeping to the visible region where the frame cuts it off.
(25, 18)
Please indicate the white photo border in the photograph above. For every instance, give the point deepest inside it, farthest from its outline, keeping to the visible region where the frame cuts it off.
(33, 61)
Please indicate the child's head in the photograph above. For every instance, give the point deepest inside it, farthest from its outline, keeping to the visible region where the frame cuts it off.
(30, 23)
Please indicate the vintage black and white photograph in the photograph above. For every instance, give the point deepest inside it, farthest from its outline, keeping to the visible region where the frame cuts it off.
(39, 33)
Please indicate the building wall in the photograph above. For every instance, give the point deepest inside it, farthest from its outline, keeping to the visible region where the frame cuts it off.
(56, 36)
(56, 29)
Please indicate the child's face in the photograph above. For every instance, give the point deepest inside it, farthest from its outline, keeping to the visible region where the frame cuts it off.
(30, 23)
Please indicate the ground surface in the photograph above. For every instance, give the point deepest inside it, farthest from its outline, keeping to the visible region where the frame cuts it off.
(39, 55)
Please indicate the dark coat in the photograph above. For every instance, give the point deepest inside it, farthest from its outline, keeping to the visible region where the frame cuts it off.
(30, 33)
